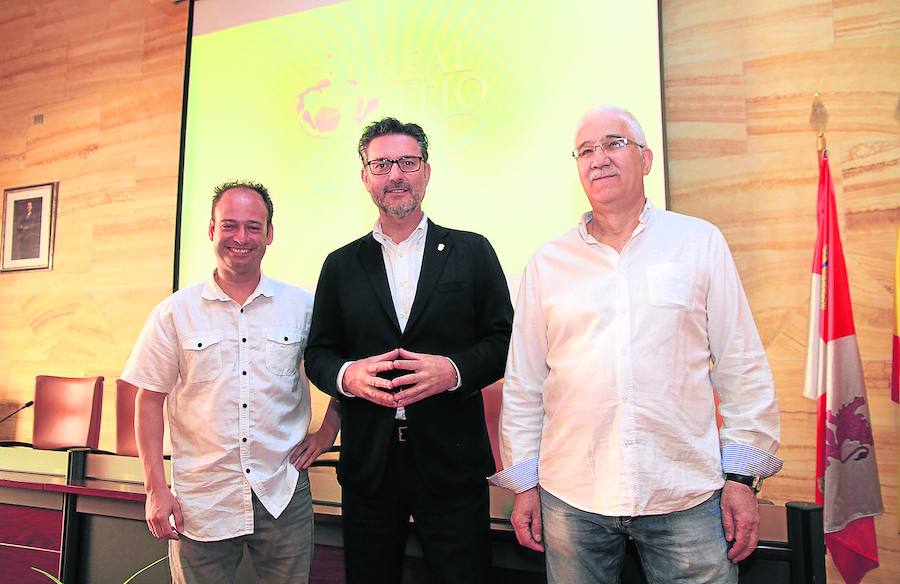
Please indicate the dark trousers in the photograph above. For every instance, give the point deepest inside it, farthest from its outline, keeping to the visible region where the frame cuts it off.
(454, 529)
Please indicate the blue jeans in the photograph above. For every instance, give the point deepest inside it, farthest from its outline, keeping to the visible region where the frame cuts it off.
(684, 546)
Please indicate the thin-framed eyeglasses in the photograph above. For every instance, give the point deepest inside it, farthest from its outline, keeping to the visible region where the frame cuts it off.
(406, 164)
(609, 145)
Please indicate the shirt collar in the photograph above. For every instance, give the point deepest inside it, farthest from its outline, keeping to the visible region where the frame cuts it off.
(643, 220)
(417, 234)
(212, 290)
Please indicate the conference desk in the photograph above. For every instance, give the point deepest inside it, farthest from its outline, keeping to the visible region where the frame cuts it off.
(81, 514)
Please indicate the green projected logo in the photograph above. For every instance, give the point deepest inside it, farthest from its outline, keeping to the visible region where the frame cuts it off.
(332, 104)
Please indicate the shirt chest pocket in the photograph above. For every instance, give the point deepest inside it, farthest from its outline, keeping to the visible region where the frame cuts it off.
(671, 285)
(284, 347)
(203, 356)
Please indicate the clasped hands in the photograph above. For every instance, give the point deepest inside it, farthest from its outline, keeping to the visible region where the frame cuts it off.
(428, 375)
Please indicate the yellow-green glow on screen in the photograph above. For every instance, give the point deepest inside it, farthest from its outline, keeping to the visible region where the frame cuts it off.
(497, 86)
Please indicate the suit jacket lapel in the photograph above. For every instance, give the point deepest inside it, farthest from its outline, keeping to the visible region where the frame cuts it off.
(372, 260)
(438, 247)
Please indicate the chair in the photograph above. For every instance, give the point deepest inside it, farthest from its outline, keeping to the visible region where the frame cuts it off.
(493, 396)
(67, 412)
(126, 442)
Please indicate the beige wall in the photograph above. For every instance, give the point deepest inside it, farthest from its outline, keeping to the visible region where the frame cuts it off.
(107, 76)
(739, 80)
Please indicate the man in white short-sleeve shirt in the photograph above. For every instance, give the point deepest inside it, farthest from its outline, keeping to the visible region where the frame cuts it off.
(626, 328)
(225, 355)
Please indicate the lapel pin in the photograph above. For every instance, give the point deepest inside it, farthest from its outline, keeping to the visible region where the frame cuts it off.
(440, 247)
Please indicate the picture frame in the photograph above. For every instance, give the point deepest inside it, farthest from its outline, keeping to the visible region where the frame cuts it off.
(29, 226)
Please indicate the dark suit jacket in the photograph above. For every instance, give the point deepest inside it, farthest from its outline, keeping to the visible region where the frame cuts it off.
(26, 243)
(461, 310)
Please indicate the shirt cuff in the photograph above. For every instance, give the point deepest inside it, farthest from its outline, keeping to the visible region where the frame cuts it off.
(458, 376)
(749, 460)
(340, 379)
(517, 478)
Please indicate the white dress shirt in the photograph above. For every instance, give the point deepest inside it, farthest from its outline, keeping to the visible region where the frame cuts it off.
(403, 265)
(614, 359)
(238, 399)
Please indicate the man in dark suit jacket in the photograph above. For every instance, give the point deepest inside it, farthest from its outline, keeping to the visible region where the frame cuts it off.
(26, 243)
(410, 322)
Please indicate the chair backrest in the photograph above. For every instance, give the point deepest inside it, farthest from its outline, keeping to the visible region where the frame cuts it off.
(67, 412)
(126, 445)
(493, 395)
(126, 442)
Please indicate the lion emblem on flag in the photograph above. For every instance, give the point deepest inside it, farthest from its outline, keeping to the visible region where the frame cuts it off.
(848, 432)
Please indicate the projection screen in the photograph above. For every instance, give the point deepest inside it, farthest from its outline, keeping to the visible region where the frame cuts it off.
(279, 91)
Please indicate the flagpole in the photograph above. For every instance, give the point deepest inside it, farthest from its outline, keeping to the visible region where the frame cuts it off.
(818, 119)
(847, 483)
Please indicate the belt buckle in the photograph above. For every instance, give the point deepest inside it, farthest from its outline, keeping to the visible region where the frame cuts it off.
(401, 433)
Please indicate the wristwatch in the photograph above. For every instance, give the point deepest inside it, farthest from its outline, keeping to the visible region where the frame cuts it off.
(752, 481)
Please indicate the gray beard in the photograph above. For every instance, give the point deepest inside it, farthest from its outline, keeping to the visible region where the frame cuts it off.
(399, 211)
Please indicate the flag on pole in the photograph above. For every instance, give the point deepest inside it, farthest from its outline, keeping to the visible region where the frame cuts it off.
(847, 483)
(895, 368)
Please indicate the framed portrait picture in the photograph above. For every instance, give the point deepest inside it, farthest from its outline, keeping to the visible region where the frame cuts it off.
(29, 222)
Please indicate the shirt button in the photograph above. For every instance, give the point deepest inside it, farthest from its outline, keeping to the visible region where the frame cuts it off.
(244, 405)
(242, 311)
(285, 339)
(248, 471)
(244, 340)
(243, 439)
(243, 373)
(199, 345)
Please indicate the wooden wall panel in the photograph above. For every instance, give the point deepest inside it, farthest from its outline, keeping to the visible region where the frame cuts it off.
(739, 84)
(703, 30)
(107, 77)
(705, 107)
(864, 17)
(16, 29)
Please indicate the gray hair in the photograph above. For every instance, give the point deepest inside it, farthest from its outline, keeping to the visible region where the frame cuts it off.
(621, 113)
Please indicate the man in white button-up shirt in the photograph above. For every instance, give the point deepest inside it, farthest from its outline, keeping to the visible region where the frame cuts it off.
(625, 329)
(226, 357)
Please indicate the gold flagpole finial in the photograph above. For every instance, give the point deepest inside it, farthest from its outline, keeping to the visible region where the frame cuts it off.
(818, 120)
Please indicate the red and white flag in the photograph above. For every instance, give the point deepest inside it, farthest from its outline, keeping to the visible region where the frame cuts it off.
(895, 368)
(847, 483)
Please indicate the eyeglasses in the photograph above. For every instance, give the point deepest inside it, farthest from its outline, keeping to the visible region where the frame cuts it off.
(406, 164)
(608, 146)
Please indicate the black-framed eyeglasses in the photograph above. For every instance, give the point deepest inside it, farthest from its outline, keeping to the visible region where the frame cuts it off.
(404, 163)
(609, 145)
